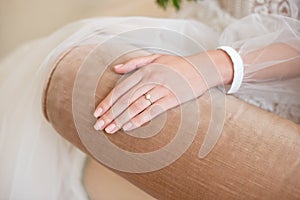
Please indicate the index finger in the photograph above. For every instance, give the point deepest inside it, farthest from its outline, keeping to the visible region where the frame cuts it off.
(116, 93)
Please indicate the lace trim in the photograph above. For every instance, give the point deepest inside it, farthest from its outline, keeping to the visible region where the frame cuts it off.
(241, 8)
(280, 7)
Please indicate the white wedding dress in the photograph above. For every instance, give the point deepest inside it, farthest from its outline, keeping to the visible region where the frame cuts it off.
(37, 163)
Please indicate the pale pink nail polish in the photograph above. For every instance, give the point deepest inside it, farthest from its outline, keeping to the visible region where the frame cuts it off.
(98, 112)
(112, 128)
(128, 127)
(96, 127)
(99, 125)
(118, 66)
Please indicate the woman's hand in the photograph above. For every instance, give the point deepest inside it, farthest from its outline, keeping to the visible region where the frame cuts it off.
(161, 83)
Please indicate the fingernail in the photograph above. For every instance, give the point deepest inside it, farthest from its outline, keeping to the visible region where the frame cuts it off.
(118, 66)
(127, 127)
(99, 125)
(112, 128)
(98, 112)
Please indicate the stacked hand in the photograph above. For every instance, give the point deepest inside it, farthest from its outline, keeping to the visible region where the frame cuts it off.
(161, 83)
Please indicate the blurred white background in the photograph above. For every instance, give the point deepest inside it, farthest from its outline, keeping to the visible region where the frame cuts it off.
(21, 20)
(25, 20)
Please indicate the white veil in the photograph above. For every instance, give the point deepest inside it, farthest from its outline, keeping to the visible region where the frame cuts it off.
(37, 163)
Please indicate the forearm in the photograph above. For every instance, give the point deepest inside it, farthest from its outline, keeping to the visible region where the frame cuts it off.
(284, 63)
(268, 46)
(214, 67)
(287, 65)
(233, 161)
(223, 65)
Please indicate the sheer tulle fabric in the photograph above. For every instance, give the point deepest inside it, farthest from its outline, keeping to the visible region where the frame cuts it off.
(274, 41)
(270, 48)
(36, 163)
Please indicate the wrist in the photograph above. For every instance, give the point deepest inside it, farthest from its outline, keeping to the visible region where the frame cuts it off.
(223, 64)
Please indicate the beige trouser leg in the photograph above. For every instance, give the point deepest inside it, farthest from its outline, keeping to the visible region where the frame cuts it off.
(257, 155)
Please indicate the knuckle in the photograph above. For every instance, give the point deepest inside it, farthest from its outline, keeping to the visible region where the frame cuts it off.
(119, 122)
(113, 113)
(140, 120)
(114, 94)
(136, 107)
(104, 105)
(125, 101)
(122, 119)
(107, 117)
(121, 103)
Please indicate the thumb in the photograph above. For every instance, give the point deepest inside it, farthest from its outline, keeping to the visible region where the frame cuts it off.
(135, 63)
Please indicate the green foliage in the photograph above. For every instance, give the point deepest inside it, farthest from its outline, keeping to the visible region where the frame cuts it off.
(165, 3)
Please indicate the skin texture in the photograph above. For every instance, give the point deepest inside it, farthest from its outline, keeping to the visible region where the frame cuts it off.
(202, 71)
(127, 106)
(256, 157)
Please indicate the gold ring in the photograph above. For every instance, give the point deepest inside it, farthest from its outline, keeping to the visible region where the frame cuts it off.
(148, 97)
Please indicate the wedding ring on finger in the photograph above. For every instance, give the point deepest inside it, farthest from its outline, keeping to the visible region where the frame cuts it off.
(148, 97)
